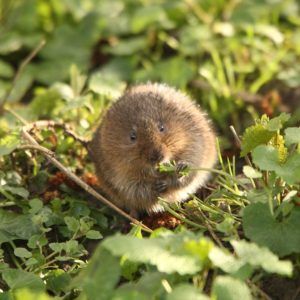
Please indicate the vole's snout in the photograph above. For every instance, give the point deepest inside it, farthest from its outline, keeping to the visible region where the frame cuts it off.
(156, 156)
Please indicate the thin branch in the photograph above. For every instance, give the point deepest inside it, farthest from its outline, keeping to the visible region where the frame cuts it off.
(49, 123)
(236, 137)
(20, 70)
(50, 155)
(16, 115)
(36, 147)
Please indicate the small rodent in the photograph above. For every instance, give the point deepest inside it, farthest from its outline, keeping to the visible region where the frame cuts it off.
(148, 125)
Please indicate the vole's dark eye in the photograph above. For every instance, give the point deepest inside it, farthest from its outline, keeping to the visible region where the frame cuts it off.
(132, 136)
(161, 128)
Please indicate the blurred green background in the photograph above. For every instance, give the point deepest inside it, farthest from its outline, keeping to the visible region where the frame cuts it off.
(238, 58)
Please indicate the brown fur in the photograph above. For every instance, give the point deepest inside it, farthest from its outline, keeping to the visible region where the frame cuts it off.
(127, 169)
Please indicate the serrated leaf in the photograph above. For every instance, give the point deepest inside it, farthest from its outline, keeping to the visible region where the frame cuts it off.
(22, 252)
(9, 143)
(254, 136)
(261, 257)
(281, 237)
(251, 172)
(292, 135)
(155, 251)
(228, 288)
(224, 260)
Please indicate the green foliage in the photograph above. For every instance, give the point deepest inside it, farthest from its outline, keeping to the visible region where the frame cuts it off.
(223, 56)
(279, 234)
(9, 143)
(228, 288)
(17, 279)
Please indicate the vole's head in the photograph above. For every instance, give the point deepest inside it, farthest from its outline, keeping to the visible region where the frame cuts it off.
(142, 129)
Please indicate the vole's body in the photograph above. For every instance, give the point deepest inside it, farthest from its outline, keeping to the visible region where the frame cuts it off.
(150, 124)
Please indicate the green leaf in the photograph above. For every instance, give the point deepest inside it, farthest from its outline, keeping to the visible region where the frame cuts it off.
(251, 172)
(186, 292)
(129, 46)
(148, 284)
(58, 281)
(22, 252)
(228, 288)
(101, 276)
(277, 122)
(16, 190)
(36, 241)
(155, 251)
(129, 295)
(36, 205)
(45, 102)
(261, 257)
(5, 69)
(172, 77)
(225, 260)
(146, 16)
(26, 294)
(254, 136)
(266, 157)
(17, 279)
(281, 237)
(290, 170)
(72, 223)
(292, 135)
(9, 143)
(108, 84)
(14, 226)
(94, 235)
(256, 195)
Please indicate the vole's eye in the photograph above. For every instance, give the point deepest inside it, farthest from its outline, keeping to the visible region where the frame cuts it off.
(132, 136)
(161, 128)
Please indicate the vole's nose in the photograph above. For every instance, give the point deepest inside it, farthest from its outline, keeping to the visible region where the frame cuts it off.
(156, 156)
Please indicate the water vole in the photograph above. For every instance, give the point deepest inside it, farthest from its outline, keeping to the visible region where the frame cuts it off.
(148, 125)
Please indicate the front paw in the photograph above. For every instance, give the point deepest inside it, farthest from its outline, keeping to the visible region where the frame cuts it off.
(160, 186)
(182, 169)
